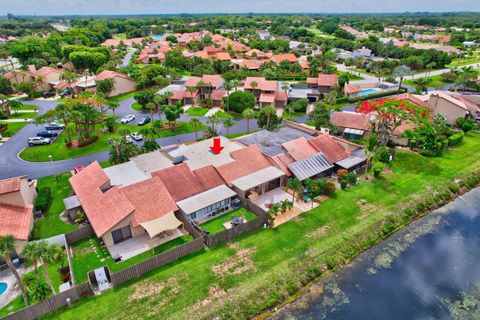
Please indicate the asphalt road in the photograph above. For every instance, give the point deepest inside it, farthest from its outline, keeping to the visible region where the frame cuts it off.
(11, 165)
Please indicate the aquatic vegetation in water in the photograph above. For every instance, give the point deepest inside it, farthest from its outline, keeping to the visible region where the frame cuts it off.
(467, 307)
(332, 299)
(391, 251)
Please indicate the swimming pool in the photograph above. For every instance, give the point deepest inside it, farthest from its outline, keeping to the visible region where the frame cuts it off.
(366, 92)
(3, 287)
(158, 37)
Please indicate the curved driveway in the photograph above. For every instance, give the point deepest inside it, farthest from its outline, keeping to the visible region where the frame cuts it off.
(11, 165)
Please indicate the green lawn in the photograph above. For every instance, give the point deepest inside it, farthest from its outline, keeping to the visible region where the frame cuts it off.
(122, 97)
(266, 267)
(433, 82)
(88, 254)
(28, 107)
(121, 36)
(136, 106)
(23, 115)
(239, 134)
(223, 114)
(197, 111)
(13, 306)
(463, 62)
(60, 151)
(13, 127)
(51, 224)
(216, 225)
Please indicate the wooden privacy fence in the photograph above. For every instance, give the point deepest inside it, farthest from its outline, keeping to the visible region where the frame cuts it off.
(157, 261)
(80, 234)
(227, 235)
(52, 304)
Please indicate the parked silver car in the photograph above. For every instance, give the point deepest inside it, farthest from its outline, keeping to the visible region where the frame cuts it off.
(128, 118)
(37, 141)
(137, 136)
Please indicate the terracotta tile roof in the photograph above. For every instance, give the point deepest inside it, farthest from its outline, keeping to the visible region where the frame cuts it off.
(213, 80)
(182, 183)
(224, 56)
(281, 96)
(411, 98)
(12, 74)
(290, 57)
(267, 97)
(103, 209)
(327, 80)
(304, 64)
(351, 88)
(312, 81)
(263, 84)
(177, 95)
(218, 94)
(10, 185)
(201, 54)
(45, 71)
(255, 53)
(211, 49)
(351, 120)
(251, 64)
(109, 74)
(248, 160)
(299, 149)
(329, 147)
(150, 199)
(192, 81)
(282, 161)
(16, 221)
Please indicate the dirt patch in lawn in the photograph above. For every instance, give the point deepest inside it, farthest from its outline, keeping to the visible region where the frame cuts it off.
(147, 288)
(319, 232)
(366, 209)
(241, 262)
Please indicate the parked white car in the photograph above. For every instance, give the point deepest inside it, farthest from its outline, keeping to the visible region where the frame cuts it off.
(128, 118)
(128, 139)
(37, 141)
(137, 136)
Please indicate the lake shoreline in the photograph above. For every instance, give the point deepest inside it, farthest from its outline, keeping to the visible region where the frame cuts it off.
(306, 288)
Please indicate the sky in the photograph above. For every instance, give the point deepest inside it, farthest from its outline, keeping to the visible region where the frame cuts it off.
(105, 7)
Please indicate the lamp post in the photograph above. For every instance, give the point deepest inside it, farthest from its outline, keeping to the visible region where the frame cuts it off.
(51, 162)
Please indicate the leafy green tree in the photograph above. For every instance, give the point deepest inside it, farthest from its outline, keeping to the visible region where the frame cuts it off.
(267, 118)
(320, 115)
(84, 60)
(172, 113)
(241, 100)
(5, 86)
(105, 86)
(7, 246)
(121, 151)
(144, 97)
(38, 290)
(296, 186)
(466, 124)
(33, 253)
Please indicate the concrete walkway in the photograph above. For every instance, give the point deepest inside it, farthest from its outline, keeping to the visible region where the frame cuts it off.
(212, 111)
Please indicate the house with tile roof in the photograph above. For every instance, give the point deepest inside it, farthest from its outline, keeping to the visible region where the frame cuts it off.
(301, 151)
(322, 84)
(130, 219)
(17, 196)
(352, 125)
(448, 106)
(122, 83)
(209, 83)
(267, 92)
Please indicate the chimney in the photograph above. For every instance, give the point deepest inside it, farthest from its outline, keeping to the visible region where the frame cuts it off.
(32, 68)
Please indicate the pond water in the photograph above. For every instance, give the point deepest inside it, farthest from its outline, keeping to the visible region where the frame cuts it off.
(429, 270)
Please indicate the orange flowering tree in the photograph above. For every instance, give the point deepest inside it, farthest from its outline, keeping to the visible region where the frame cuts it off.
(391, 113)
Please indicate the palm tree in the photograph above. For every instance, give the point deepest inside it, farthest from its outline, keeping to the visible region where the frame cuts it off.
(7, 245)
(195, 123)
(70, 78)
(421, 85)
(213, 120)
(296, 186)
(50, 254)
(331, 98)
(112, 105)
(285, 87)
(228, 123)
(370, 147)
(228, 86)
(32, 252)
(248, 114)
(235, 83)
(285, 205)
(401, 72)
(190, 90)
(201, 85)
(151, 108)
(254, 85)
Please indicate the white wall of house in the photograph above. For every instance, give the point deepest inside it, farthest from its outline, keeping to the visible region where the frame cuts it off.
(122, 85)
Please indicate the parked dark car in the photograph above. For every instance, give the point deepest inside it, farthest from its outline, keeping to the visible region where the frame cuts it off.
(54, 126)
(65, 93)
(143, 121)
(47, 134)
(48, 94)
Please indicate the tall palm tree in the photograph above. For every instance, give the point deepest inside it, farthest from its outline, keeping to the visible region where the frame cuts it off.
(214, 119)
(7, 245)
(248, 114)
(285, 87)
(296, 186)
(228, 123)
(401, 72)
(370, 147)
(70, 78)
(235, 83)
(254, 85)
(195, 123)
(32, 252)
(151, 108)
(201, 85)
(50, 254)
(190, 90)
(228, 86)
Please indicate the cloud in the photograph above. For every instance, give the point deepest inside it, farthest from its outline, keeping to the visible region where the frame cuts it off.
(102, 7)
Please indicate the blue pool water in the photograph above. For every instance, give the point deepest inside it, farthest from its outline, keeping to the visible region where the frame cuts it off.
(366, 92)
(158, 37)
(3, 287)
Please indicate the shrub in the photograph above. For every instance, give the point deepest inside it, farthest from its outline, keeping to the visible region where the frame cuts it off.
(382, 155)
(157, 124)
(455, 139)
(330, 188)
(343, 184)
(453, 187)
(341, 173)
(351, 178)
(44, 197)
(378, 168)
(299, 105)
(241, 100)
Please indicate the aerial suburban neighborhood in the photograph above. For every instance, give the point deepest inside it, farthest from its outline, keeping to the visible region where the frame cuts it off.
(164, 165)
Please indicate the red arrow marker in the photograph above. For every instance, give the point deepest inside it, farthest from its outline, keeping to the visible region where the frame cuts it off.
(216, 148)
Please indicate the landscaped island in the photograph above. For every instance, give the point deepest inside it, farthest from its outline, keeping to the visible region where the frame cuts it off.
(260, 270)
